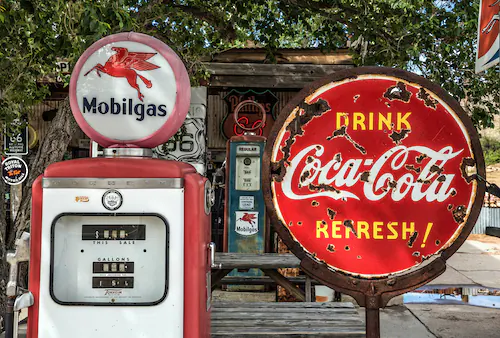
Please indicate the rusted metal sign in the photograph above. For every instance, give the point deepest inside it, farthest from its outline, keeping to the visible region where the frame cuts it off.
(369, 174)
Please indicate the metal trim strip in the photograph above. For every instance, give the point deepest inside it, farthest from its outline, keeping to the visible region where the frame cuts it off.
(113, 183)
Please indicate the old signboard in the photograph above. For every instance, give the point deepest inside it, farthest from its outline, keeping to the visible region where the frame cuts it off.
(249, 115)
(369, 174)
(129, 90)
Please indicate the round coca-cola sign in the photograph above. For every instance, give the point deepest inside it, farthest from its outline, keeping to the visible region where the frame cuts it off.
(371, 172)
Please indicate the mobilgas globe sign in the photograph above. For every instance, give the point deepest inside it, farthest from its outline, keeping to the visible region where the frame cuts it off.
(129, 89)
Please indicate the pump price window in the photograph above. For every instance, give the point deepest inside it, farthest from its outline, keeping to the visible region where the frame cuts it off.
(91, 232)
(118, 259)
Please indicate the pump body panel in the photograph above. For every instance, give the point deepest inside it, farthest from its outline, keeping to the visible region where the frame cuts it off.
(115, 252)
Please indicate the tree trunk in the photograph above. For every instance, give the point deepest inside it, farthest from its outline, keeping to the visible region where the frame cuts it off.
(3, 239)
(51, 150)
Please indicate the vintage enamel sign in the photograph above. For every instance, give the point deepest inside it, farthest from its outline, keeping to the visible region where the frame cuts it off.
(369, 172)
(14, 170)
(131, 90)
(488, 35)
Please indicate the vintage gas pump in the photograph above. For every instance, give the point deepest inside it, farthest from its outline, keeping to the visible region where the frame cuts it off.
(120, 243)
(245, 226)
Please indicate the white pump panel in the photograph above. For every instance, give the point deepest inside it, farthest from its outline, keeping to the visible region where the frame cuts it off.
(82, 269)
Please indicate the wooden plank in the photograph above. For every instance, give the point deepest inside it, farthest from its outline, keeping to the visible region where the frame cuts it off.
(263, 280)
(292, 288)
(308, 288)
(272, 310)
(289, 56)
(241, 317)
(329, 305)
(285, 322)
(259, 69)
(291, 332)
(253, 320)
(229, 260)
(294, 82)
(217, 277)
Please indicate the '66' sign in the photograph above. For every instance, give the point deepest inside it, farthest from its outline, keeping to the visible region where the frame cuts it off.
(371, 173)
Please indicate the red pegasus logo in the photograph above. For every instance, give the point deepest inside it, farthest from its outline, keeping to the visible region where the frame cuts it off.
(248, 218)
(125, 64)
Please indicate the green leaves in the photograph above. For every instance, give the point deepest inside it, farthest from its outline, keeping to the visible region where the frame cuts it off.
(433, 38)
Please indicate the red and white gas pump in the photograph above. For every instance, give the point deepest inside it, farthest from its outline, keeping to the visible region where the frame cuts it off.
(120, 243)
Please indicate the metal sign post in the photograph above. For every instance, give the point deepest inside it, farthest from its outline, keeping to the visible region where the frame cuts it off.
(370, 179)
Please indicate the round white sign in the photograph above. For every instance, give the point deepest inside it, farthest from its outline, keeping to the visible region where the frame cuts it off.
(131, 90)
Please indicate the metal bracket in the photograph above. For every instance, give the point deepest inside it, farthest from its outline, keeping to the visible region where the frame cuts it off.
(24, 301)
(213, 265)
(21, 254)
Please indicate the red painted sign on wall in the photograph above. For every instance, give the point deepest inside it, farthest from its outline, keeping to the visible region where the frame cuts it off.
(249, 116)
(369, 174)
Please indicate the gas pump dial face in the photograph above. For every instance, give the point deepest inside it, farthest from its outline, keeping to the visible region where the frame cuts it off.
(109, 260)
(248, 167)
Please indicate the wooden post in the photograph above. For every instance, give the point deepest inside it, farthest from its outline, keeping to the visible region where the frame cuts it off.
(16, 194)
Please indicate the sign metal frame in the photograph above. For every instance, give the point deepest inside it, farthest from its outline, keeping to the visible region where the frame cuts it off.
(372, 292)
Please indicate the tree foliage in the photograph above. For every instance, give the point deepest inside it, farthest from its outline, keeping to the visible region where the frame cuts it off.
(435, 38)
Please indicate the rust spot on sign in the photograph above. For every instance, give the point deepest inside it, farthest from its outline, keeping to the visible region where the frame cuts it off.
(392, 184)
(436, 169)
(330, 248)
(413, 168)
(347, 248)
(388, 105)
(321, 187)
(424, 181)
(420, 158)
(356, 97)
(441, 178)
(459, 214)
(299, 224)
(304, 176)
(315, 203)
(398, 92)
(290, 224)
(467, 162)
(453, 192)
(349, 224)
(331, 213)
(342, 132)
(302, 117)
(398, 137)
(416, 254)
(438, 242)
(365, 176)
(310, 159)
(428, 100)
(450, 206)
(359, 257)
(338, 157)
(413, 237)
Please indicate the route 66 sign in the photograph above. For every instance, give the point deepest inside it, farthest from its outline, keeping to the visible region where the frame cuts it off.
(188, 145)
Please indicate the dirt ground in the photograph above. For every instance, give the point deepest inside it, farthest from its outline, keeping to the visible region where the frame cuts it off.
(493, 174)
(484, 238)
